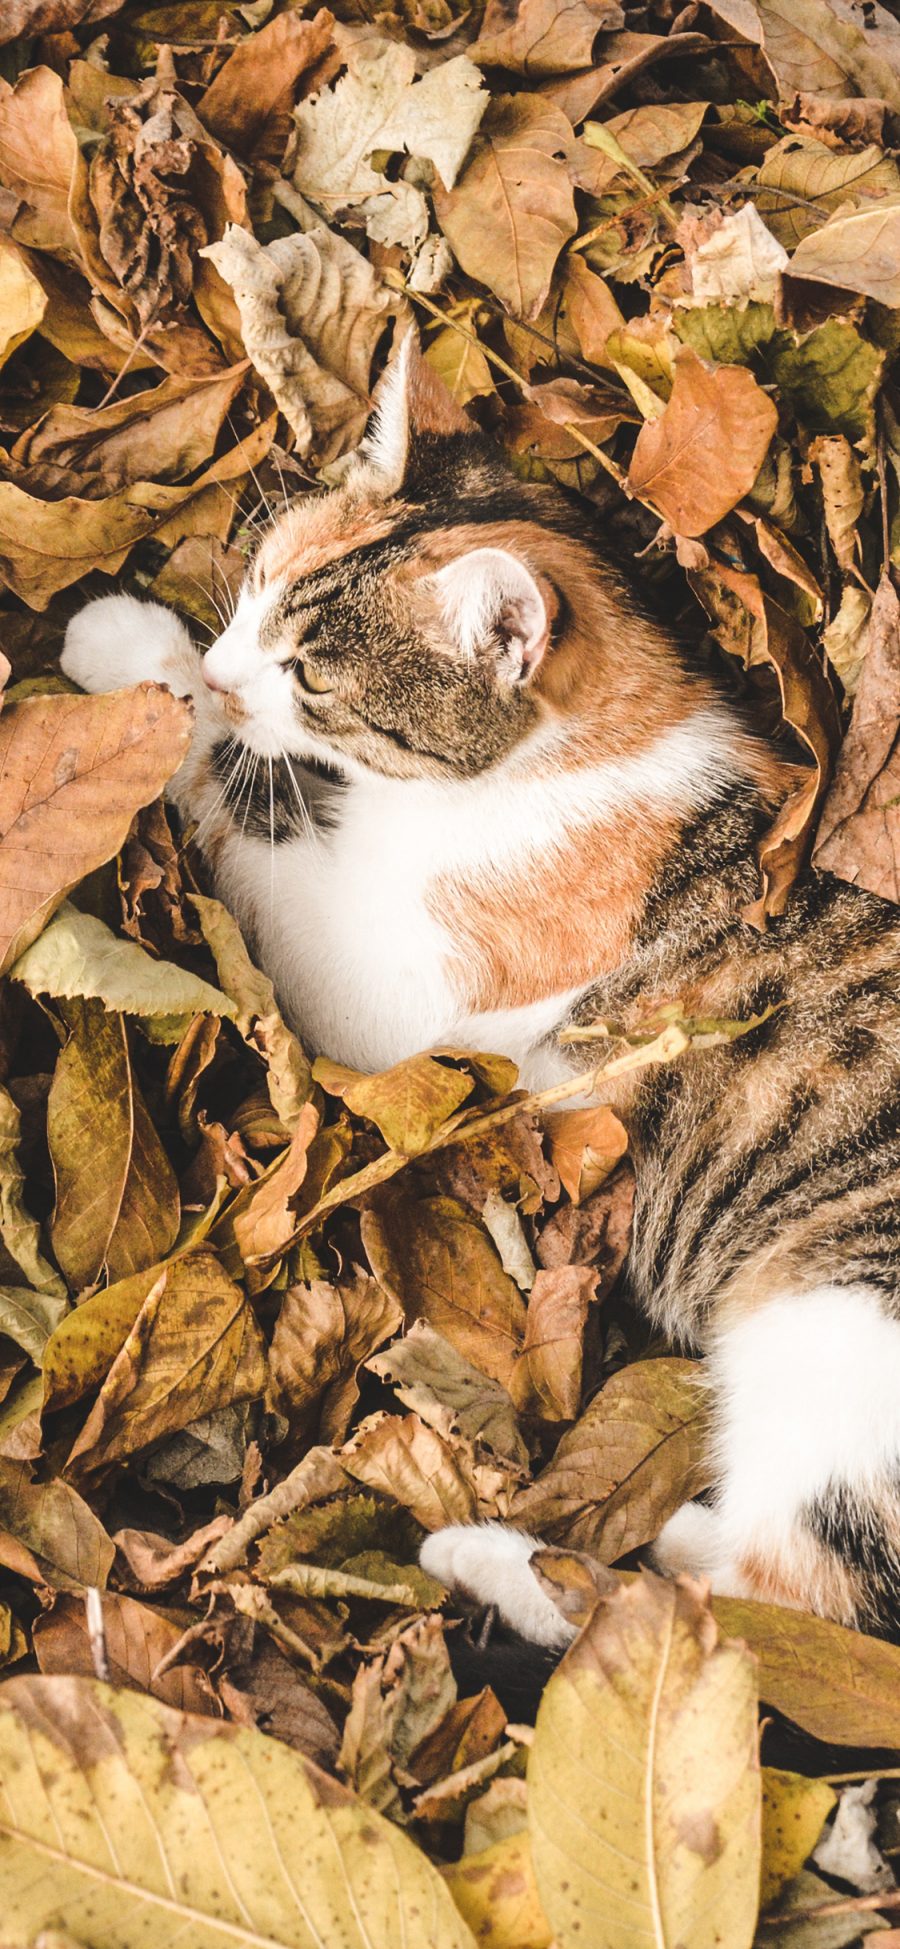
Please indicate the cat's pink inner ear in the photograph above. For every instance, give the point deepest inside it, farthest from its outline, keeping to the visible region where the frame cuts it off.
(493, 605)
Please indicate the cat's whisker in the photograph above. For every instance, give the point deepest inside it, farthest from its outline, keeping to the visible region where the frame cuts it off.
(250, 790)
(306, 819)
(196, 838)
(271, 843)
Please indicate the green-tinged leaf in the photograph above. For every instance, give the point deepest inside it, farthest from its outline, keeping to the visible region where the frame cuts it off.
(29, 1317)
(636, 1455)
(643, 1782)
(804, 1918)
(48, 1534)
(726, 334)
(794, 1811)
(76, 955)
(194, 1347)
(829, 378)
(836, 1684)
(257, 1015)
(138, 1823)
(449, 1392)
(117, 1205)
(20, 1232)
(409, 1103)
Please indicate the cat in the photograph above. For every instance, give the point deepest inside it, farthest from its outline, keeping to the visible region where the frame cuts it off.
(461, 787)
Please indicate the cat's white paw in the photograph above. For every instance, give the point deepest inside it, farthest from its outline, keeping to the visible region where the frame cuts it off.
(491, 1564)
(118, 641)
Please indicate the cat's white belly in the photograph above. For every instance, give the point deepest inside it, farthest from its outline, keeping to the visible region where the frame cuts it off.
(362, 968)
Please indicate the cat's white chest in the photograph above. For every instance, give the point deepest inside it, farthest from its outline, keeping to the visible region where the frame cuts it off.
(343, 926)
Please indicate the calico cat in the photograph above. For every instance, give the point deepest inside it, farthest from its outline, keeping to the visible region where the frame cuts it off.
(460, 787)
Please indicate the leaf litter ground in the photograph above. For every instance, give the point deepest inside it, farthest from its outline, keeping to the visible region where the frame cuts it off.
(263, 1327)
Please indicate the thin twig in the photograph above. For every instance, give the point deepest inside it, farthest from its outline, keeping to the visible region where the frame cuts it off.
(93, 1610)
(842, 1905)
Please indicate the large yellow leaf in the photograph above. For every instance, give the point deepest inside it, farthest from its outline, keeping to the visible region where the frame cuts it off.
(643, 1780)
(138, 1824)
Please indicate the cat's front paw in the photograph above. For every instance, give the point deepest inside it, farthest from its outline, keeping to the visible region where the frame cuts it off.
(491, 1563)
(118, 641)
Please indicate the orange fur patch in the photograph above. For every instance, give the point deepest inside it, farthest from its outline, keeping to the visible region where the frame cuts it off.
(317, 531)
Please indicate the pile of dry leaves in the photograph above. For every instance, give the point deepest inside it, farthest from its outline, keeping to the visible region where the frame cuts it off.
(261, 1328)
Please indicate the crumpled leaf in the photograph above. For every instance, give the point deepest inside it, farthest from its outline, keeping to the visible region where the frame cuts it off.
(117, 1205)
(449, 1392)
(74, 771)
(639, 1451)
(257, 81)
(312, 313)
(843, 495)
(163, 432)
(257, 1017)
(419, 1468)
(193, 1787)
(859, 831)
(741, 261)
(398, 1699)
(52, 16)
(512, 209)
(643, 1782)
(19, 1231)
(78, 955)
(694, 462)
(322, 1335)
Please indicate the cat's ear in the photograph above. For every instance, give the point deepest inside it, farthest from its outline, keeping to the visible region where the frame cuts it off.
(494, 606)
(410, 401)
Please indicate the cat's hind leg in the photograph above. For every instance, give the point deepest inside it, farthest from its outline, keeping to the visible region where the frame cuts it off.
(806, 1391)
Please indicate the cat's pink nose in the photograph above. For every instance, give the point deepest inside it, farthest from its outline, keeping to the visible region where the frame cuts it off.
(212, 681)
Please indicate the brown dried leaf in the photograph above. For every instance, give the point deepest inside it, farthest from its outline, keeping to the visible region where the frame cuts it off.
(258, 80)
(440, 1265)
(859, 831)
(38, 153)
(161, 434)
(636, 1455)
(263, 1217)
(512, 209)
(837, 1684)
(258, 1018)
(322, 1335)
(398, 1700)
(135, 1640)
(842, 493)
(446, 1390)
(409, 1103)
(48, 1534)
(154, 1562)
(856, 251)
(546, 1380)
(413, 1464)
(696, 461)
(585, 1145)
(542, 37)
(74, 771)
(194, 1347)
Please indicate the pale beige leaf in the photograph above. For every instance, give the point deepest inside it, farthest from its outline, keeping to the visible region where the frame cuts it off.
(78, 955)
(167, 1824)
(377, 105)
(739, 263)
(23, 300)
(643, 1779)
(859, 251)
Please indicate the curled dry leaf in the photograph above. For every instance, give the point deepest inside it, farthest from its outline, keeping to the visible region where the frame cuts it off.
(322, 1335)
(448, 1391)
(652, 1708)
(741, 261)
(38, 154)
(257, 1015)
(75, 770)
(696, 461)
(859, 831)
(78, 956)
(312, 312)
(512, 209)
(257, 81)
(409, 1103)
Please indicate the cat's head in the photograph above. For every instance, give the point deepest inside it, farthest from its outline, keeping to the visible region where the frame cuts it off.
(409, 621)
